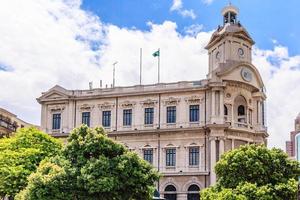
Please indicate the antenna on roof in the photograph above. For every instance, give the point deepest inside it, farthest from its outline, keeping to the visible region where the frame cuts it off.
(100, 83)
(91, 85)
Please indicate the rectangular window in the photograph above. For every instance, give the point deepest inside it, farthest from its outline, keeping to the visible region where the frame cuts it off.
(194, 113)
(170, 157)
(56, 118)
(171, 114)
(148, 155)
(149, 113)
(127, 117)
(106, 117)
(193, 156)
(86, 117)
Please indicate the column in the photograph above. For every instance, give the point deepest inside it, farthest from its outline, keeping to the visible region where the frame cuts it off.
(213, 103)
(212, 161)
(44, 118)
(232, 144)
(222, 106)
(232, 115)
(222, 146)
(259, 112)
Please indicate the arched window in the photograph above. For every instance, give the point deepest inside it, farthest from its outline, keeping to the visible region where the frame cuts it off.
(225, 110)
(241, 110)
(170, 193)
(193, 192)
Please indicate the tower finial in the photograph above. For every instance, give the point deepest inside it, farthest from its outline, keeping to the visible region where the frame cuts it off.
(230, 13)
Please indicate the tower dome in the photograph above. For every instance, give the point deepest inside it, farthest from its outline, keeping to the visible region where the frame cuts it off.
(230, 14)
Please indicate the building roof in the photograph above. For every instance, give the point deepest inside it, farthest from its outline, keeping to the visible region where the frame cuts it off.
(58, 92)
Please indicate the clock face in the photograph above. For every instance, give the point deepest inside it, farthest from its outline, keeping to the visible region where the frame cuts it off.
(218, 55)
(246, 74)
(241, 52)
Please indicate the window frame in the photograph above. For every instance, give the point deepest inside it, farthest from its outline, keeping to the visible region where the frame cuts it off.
(54, 125)
(86, 119)
(171, 114)
(106, 119)
(127, 117)
(148, 155)
(194, 113)
(194, 156)
(149, 116)
(171, 157)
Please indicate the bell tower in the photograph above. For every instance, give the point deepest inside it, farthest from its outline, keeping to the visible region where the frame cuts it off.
(230, 43)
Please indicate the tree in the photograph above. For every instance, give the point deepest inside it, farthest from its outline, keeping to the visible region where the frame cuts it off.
(255, 172)
(92, 166)
(20, 155)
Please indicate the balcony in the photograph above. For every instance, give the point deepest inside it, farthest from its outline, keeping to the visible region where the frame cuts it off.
(11, 127)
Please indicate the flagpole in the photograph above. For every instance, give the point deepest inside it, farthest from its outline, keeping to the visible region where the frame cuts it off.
(114, 73)
(158, 66)
(141, 52)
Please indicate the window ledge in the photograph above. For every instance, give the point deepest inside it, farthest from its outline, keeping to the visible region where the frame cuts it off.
(170, 167)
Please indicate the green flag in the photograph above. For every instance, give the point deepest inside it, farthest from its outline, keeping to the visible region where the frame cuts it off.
(156, 53)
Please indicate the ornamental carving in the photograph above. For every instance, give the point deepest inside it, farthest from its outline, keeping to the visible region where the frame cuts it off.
(86, 107)
(106, 106)
(171, 101)
(127, 104)
(149, 103)
(193, 100)
(57, 108)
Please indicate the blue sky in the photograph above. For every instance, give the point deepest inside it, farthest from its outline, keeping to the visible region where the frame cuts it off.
(266, 20)
(72, 42)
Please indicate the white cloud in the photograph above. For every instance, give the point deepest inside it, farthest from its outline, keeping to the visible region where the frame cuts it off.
(207, 2)
(187, 13)
(178, 7)
(194, 29)
(44, 43)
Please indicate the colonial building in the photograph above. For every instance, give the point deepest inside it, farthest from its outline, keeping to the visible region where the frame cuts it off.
(181, 128)
(293, 146)
(9, 123)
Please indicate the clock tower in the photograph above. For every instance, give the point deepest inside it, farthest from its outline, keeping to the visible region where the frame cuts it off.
(230, 43)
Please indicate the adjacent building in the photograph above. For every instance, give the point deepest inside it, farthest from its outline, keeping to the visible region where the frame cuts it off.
(9, 123)
(293, 146)
(181, 128)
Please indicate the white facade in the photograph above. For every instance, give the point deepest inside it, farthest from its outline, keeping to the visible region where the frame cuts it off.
(214, 115)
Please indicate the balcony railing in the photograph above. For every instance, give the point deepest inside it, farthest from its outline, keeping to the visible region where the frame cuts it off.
(9, 126)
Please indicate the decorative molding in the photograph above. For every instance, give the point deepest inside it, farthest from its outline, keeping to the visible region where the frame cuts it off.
(57, 108)
(106, 106)
(127, 104)
(171, 101)
(86, 107)
(148, 103)
(193, 100)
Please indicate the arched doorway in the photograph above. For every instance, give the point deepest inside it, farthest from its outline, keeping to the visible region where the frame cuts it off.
(240, 111)
(170, 193)
(193, 192)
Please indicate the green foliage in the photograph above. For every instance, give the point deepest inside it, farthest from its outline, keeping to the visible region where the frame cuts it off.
(254, 172)
(20, 156)
(92, 166)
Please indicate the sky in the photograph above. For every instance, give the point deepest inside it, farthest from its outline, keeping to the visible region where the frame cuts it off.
(73, 42)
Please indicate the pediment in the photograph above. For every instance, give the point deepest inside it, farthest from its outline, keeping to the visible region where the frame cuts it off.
(55, 93)
(242, 72)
